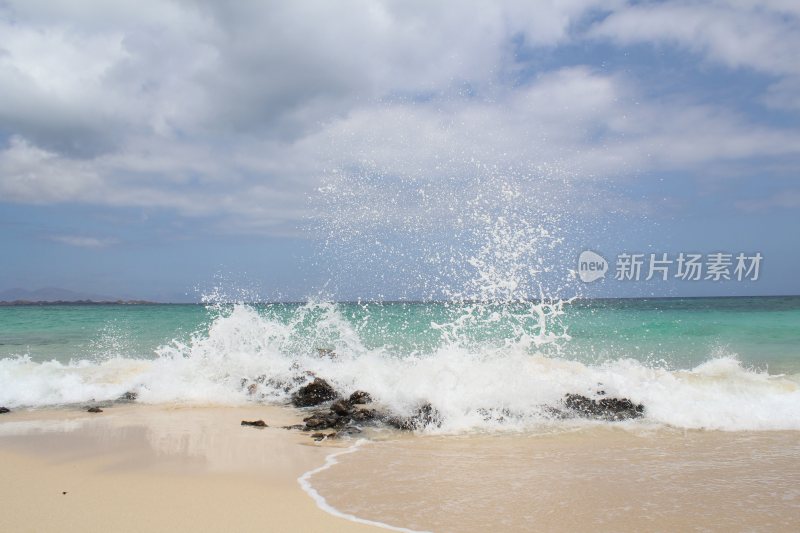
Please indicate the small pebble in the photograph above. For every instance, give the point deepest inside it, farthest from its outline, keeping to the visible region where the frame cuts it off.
(255, 423)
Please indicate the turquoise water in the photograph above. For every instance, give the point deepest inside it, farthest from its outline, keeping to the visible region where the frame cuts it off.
(70, 332)
(763, 333)
(719, 363)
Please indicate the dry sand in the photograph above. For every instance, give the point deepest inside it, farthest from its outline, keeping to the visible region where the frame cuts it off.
(139, 468)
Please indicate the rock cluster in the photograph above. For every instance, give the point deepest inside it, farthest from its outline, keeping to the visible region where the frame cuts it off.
(360, 397)
(342, 415)
(315, 393)
(345, 416)
(611, 409)
(4, 410)
(425, 415)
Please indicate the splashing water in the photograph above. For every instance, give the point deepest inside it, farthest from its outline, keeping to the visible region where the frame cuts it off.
(483, 377)
(492, 352)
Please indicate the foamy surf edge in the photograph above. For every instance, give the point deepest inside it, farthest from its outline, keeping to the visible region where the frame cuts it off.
(247, 356)
(305, 483)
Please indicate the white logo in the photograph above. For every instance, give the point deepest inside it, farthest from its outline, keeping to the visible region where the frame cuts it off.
(591, 266)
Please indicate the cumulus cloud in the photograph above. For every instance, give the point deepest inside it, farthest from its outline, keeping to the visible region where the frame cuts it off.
(237, 112)
(755, 34)
(762, 36)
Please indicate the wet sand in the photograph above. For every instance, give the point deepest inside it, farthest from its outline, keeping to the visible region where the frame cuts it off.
(593, 479)
(143, 468)
(140, 468)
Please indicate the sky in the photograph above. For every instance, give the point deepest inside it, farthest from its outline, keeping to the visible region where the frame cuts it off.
(382, 150)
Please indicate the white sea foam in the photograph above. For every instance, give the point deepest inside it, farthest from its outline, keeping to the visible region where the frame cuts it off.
(322, 503)
(474, 387)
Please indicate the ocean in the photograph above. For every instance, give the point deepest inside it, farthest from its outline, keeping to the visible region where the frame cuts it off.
(712, 363)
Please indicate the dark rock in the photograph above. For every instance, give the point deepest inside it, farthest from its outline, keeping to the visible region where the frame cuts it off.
(496, 415)
(318, 436)
(606, 409)
(555, 413)
(360, 397)
(4, 410)
(315, 393)
(294, 426)
(341, 421)
(580, 403)
(326, 352)
(622, 408)
(94, 410)
(251, 386)
(341, 407)
(325, 420)
(400, 422)
(315, 422)
(280, 384)
(319, 421)
(365, 415)
(425, 415)
(255, 423)
(129, 396)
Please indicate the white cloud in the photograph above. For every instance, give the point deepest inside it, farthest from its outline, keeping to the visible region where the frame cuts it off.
(763, 36)
(235, 111)
(572, 123)
(759, 35)
(31, 174)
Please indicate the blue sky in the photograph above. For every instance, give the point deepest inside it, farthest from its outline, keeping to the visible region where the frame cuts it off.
(393, 149)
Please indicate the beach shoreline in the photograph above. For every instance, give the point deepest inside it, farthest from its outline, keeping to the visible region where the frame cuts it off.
(158, 468)
(137, 467)
(598, 477)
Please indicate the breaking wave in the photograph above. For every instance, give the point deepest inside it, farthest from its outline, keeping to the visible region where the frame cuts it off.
(475, 380)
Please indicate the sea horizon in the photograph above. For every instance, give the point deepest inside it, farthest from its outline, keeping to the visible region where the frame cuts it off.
(136, 301)
(369, 265)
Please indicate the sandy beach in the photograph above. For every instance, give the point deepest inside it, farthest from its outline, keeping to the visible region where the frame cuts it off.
(593, 478)
(140, 468)
(478, 267)
(157, 468)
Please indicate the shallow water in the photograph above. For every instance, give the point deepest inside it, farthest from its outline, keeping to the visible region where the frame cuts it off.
(761, 331)
(592, 479)
(718, 363)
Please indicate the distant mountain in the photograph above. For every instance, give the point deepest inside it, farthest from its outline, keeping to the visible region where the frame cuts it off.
(52, 294)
